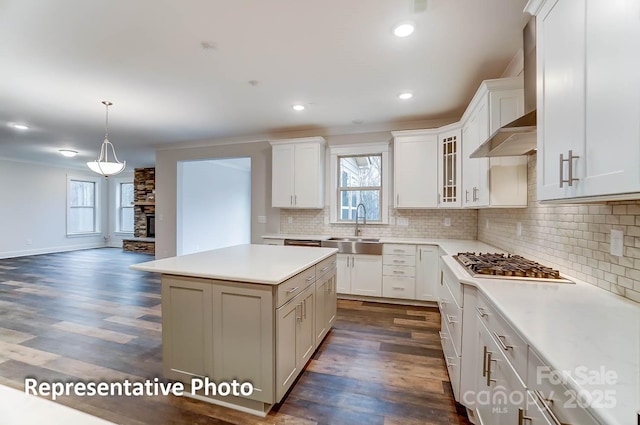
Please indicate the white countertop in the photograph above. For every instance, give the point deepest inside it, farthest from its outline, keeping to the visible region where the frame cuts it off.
(264, 264)
(296, 237)
(18, 408)
(574, 325)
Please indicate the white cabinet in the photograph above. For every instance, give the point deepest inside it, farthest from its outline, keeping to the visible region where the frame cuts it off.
(360, 274)
(297, 173)
(325, 299)
(588, 102)
(415, 169)
(427, 272)
(450, 167)
(295, 338)
(399, 271)
(493, 182)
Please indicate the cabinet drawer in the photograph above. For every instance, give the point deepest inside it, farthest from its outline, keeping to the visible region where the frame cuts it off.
(399, 287)
(511, 344)
(448, 279)
(553, 396)
(451, 359)
(325, 266)
(398, 249)
(288, 289)
(399, 260)
(452, 315)
(406, 271)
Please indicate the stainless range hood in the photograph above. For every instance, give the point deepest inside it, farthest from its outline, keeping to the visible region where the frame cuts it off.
(519, 136)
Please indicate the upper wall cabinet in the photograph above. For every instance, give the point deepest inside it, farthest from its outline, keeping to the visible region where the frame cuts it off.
(297, 173)
(493, 182)
(588, 95)
(427, 168)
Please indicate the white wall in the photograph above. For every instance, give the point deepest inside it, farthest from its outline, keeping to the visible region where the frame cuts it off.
(214, 204)
(114, 239)
(33, 207)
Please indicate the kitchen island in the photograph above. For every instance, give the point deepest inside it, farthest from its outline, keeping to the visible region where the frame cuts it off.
(244, 314)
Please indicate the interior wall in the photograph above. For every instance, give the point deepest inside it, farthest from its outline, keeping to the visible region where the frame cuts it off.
(214, 204)
(574, 238)
(33, 210)
(114, 238)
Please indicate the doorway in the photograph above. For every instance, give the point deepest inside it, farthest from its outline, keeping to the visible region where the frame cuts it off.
(214, 204)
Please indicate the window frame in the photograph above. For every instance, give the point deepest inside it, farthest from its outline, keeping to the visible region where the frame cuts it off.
(342, 189)
(337, 152)
(97, 204)
(120, 207)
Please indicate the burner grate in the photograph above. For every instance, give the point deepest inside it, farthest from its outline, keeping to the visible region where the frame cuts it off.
(491, 264)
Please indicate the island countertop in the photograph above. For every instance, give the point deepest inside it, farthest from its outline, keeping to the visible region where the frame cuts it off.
(262, 264)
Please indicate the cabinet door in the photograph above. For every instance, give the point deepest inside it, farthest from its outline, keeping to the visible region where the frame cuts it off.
(343, 278)
(321, 319)
(561, 95)
(415, 171)
(282, 176)
(535, 413)
(307, 176)
(243, 335)
(366, 275)
(471, 170)
(427, 273)
(305, 333)
(331, 301)
(450, 169)
(287, 318)
(481, 188)
(187, 339)
(612, 151)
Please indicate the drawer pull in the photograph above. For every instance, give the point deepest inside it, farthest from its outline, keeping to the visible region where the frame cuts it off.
(333, 263)
(481, 311)
(522, 417)
(325, 268)
(449, 364)
(489, 360)
(545, 405)
(292, 290)
(450, 320)
(399, 261)
(398, 250)
(500, 340)
(484, 361)
(310, 278)
(442, 336)
(397, 288)
(398, 272)
(299, 318)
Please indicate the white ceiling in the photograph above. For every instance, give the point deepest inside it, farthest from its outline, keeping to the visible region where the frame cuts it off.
(60, 58)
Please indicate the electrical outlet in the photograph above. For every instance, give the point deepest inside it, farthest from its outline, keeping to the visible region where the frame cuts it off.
(617, 243)
(447, 221)
(519, 229)
(262, 219)
(290, 220)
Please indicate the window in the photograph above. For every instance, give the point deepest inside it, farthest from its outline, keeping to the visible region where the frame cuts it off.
(360, 183)
(82, 212)
(360, 175)
(125, 207)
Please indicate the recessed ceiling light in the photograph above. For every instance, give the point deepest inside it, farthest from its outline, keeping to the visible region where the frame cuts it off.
(20, 126)
(405, 96)
(298, 107)
(403, 30)
(68, 153)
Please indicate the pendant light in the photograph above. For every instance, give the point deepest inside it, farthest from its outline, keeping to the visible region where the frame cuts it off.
(103, 165)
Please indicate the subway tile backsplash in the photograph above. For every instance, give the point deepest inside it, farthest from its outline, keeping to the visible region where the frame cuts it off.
(421, 224)
(572, 238)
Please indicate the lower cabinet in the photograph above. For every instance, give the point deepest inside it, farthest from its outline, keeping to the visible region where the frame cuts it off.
(295, 338)
(326, 304)
(427, 272)
(360, 274)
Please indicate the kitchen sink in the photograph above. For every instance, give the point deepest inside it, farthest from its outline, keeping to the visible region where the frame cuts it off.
(355, 245)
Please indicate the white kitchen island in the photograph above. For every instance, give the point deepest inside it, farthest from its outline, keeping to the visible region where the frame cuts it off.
(246, 313)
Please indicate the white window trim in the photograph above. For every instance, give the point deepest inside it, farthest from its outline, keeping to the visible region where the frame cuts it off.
(97, 207)
(360, 149)
(117, 181)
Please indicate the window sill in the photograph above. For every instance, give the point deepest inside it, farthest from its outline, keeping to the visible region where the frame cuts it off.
(128, 234)
(353, 223)
(84, 235)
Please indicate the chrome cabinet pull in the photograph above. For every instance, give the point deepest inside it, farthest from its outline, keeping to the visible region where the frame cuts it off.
(398, 199)
(420, 253)
(484, 361)
(398, 288)
(299, 318)
(522, 417)
(293, 290)
(304, 309)
(310, 278)
(398, 272)
(475, 190)
(450, 320)
(442, 337)
(295, 199)
(325, 268)
(569, 160)
(500, 339)
(545, 405)
(446, 359)
(489, 360)
(353, 261)
(291, 201)
(466, 196)
(481, 311)
(398, 261)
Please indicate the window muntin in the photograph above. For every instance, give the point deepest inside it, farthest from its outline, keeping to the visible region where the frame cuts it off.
(82, 207)
(360, 181)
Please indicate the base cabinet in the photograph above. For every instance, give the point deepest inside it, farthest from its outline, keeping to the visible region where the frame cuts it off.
(326, 304)
(427, 272)
(360, 274)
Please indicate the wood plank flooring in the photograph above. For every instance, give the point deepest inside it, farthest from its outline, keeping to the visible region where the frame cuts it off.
(84, 315)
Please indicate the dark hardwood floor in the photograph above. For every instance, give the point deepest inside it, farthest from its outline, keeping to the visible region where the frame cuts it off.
(84, 315)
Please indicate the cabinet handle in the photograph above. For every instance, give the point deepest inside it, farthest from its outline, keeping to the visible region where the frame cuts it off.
(466, 196)
(569, 160)
(522, 417)
(304, 309)
(399, 250)
(484, 361)
(450, 320)
(295, 199)
(399, 261)
(441, 278)
(398, 288)
(292, 290)
(500, 340)
(333, 263)
(291, 201)
(299, 318)
(353, 261)
(446, 359)
(443, 337)
(420, 254)
(398, 272)
(438, 199)
(475, 190)
(325, 268)
(310, 278)
(397, 199)
(481, 311)
(489, 360)
(545, 405)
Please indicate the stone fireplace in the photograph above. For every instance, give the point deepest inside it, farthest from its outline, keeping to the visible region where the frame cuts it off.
(144, 226)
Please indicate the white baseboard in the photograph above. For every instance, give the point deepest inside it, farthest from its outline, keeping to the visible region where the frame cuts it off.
(52, 249)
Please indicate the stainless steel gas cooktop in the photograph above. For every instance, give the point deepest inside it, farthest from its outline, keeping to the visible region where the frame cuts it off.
(491, 265)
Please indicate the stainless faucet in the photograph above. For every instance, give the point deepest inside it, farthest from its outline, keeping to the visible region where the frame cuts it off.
(364, 218)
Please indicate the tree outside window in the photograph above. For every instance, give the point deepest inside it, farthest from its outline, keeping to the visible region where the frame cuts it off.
(360, 182)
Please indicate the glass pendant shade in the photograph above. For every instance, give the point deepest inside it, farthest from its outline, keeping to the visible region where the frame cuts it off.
(107, 163)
